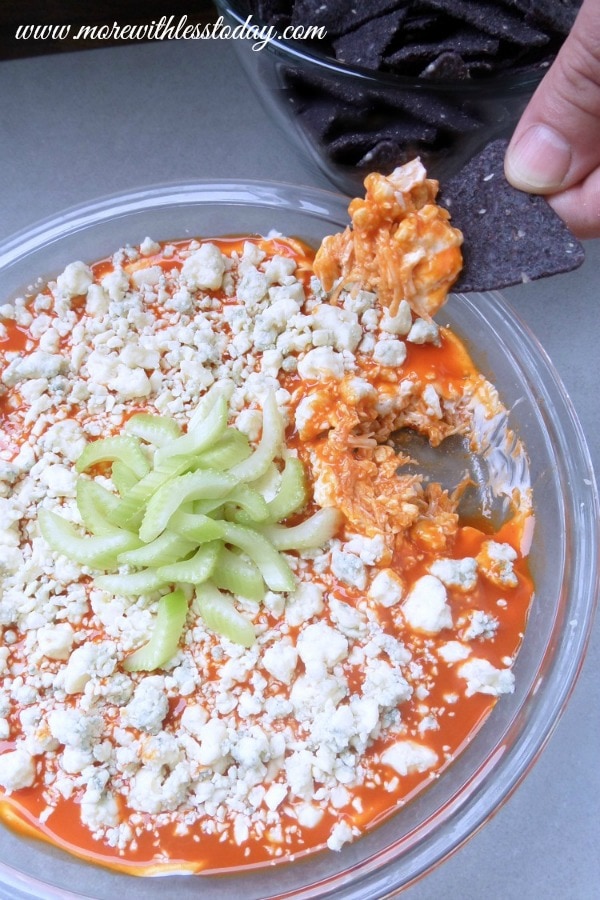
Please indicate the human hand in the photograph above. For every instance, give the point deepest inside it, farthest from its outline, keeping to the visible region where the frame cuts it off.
(555, 149)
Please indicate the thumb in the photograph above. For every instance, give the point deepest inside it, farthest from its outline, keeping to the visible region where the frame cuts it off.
(557, 141)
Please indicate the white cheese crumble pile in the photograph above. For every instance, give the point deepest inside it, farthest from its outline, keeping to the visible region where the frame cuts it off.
(341, 706)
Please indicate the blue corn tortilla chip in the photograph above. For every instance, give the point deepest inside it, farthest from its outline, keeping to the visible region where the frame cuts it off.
(492, 19)
(268, 10)
(530, 31)
(426, 107)
(421, 22)
(553, 15)
(339, 16)
(325, 116)
(365, 46)
(352, 145)
(463, 41)
(342, 90)
(385, 155)
(509, 237)
(434, 110)
(448, 65)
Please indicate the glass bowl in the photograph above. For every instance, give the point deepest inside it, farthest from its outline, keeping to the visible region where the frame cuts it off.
(333, 110)
(563, 559)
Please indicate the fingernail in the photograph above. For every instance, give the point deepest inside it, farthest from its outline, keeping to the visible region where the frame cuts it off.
(539, 160)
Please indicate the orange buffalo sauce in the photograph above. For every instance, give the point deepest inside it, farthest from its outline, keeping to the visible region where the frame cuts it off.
(162, 848)
(351, 466)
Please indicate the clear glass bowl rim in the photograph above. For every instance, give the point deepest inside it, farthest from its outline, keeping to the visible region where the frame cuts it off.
(235, 192)
(292, 51)
(471, 808)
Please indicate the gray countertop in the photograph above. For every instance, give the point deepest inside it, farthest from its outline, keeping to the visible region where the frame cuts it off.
(79, 125)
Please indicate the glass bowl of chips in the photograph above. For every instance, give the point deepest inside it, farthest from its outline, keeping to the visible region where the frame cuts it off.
(384, 82)
(564, 563)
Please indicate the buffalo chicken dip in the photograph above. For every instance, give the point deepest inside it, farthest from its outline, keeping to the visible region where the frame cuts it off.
(237, 625)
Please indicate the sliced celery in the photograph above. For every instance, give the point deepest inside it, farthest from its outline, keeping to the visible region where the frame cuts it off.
(166, 548)
(221, 616)
(219, 389)
(174, 465)
(95, 505)
(203, 436)
(128, 516)
(239, 575)
(123, 447)
(196, 528)
(143, 582)
(229, 450)
(212, 508)
(122, 477)
(269, 446)
(292, 494)
(194, 570)
(254, 507)
(97, 552)
(273, 567)
(168, 628)
(182, 505)
(308, 535)
(268, 484)
(168, 498)
(157, 430)
(135, 500)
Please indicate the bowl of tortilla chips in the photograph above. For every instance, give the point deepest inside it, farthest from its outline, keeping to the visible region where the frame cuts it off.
(366, 87)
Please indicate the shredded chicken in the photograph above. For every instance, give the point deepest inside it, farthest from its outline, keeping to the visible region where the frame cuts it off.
(362, 482)
(354, 470)
(400, 244)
